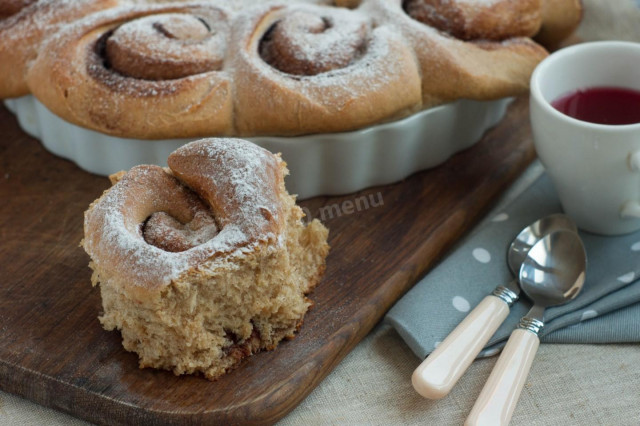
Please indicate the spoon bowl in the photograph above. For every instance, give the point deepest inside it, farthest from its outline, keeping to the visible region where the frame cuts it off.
(533, 233)
(553, 272)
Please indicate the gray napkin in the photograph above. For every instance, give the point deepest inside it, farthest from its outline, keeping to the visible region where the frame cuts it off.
(606, 311)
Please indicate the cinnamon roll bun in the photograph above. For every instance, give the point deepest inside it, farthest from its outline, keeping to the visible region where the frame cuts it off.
(142, 72)
(453, 68)
(307, 69)
(202, 264)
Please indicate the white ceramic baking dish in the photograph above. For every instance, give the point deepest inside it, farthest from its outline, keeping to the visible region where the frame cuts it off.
(321, 164)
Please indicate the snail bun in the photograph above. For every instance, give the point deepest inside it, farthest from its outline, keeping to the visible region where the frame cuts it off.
(202, 264)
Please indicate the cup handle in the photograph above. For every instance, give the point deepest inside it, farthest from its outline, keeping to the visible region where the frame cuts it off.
(631, 209)
(634, 161)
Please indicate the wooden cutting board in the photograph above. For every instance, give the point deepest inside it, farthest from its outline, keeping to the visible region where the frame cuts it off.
(54, 351)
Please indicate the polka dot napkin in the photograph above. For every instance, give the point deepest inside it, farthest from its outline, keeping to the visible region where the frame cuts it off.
(607, 310)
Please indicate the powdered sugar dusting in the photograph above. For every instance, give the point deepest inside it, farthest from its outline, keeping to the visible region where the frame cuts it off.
(308, 42)
(137, 25)
(113, 225)
(371, 72)
(374, 70)
(170, 36)
(237, 178)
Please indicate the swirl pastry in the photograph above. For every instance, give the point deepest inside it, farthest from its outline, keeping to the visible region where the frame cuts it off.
(27, 24)
(288, 68)
(452, 68)
(326, 69)
(145, 72)
(202, 264)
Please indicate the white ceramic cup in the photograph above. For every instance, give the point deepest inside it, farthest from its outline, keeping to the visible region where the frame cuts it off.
(594, 167)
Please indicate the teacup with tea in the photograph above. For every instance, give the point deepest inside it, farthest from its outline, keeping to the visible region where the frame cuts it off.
(585, 116)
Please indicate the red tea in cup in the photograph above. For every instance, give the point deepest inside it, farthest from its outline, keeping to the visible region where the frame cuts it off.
(601, 105)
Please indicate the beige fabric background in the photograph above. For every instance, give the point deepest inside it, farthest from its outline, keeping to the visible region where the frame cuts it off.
(568, 384)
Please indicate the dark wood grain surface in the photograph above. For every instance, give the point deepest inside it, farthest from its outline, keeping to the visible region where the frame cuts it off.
(54, 351)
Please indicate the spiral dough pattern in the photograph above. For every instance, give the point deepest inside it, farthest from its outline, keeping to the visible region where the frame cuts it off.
(304, 43)
(192, 69)
(147, 72)
(153, 225)
(164, 47)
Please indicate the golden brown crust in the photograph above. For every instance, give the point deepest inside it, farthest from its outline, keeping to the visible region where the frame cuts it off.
(213, 169)
(169, 234)
(116, 177)
(23, 32)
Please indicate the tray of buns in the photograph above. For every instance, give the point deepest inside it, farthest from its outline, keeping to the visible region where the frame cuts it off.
(352, 93)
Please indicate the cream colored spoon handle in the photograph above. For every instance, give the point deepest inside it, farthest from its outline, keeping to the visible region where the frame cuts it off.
(500, 394)
(437, 374)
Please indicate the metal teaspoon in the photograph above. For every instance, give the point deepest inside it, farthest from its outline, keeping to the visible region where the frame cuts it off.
(553, 273)
(441, 370)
